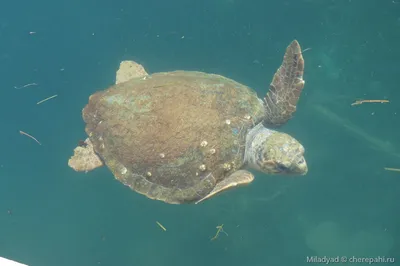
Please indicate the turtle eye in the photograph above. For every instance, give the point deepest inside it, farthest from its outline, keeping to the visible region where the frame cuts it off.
(281, 167)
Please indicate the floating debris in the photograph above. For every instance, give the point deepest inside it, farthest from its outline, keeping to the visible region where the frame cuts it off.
(220, 230)
(358, 102)
(26, 134)
(51, 97)
(161, 226)
(27, 85)
(392, 169)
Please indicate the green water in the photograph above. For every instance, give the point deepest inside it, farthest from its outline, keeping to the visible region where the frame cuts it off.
(347, 205)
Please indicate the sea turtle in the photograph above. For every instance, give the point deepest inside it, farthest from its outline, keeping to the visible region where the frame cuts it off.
(184, 136)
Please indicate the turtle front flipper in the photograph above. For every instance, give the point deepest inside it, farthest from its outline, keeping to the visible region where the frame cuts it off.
(285, 88)
(238, 178)
(128, 70)
(85, 158)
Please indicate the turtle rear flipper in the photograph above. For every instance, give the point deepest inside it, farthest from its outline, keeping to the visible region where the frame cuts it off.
(238, 178)
(285, 89)
(85, 158)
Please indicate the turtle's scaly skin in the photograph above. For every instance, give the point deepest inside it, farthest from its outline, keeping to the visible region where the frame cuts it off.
(172, 136)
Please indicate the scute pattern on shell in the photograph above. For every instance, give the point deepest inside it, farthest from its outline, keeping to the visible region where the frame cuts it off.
(173, 114)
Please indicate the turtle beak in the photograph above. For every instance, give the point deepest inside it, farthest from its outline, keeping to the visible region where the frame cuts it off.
(301, 166)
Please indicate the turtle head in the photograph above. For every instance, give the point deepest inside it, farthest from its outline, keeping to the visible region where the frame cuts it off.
(274, 152)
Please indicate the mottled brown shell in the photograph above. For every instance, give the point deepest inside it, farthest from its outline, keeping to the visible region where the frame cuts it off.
(172, 136)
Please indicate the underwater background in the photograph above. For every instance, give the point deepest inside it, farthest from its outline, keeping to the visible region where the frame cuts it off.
(347, 204)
